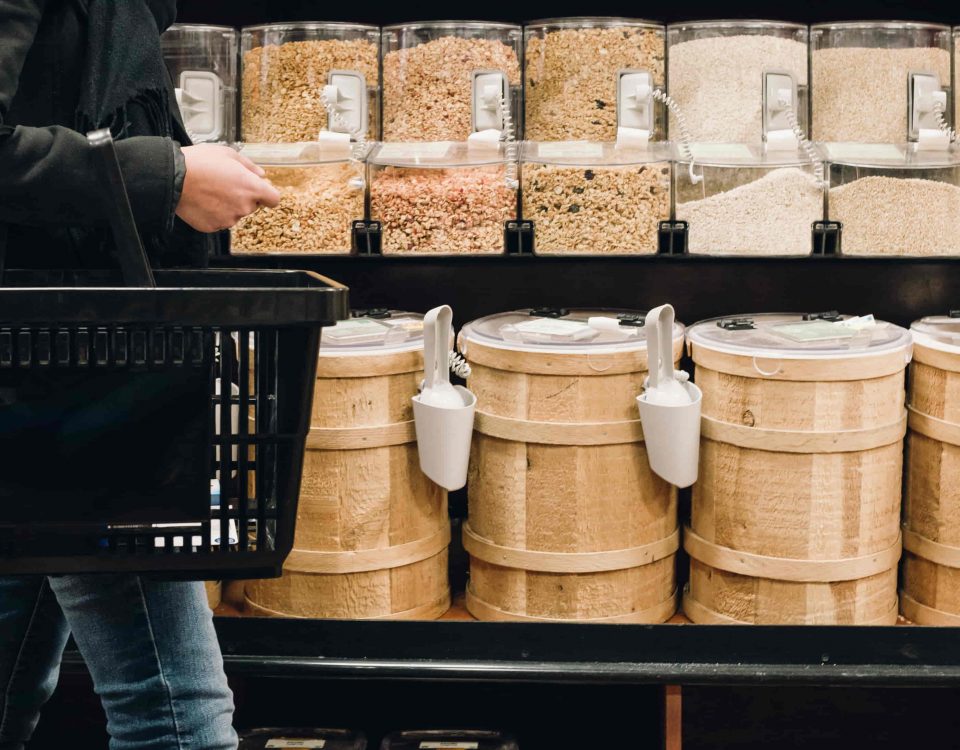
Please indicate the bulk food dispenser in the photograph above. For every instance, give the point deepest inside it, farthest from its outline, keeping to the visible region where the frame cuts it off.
(296, 74)
(202, 61)
(594, 198)
(582, 77)
(744, 199)
(895, 199)
(725, 77)
(321, 194)
(442, 197)
(444, 80)
(870, 80)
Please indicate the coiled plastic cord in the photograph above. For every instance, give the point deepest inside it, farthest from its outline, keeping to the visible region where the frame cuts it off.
(510, 141)
(459, 366)
(938, 113)
(809, 149)
(685, 138)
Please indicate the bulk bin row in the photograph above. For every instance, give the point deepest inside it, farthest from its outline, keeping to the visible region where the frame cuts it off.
(796, 513)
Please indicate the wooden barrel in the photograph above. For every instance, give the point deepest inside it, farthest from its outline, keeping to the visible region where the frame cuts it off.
(795, 515)
(931, 503)
(372, 531)
(566, 520)
(214, 591)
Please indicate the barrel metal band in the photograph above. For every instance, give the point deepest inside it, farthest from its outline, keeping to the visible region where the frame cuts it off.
(702, 615)
(936, 358)
(568, 562)
(559, 433)
(935, 552)
(934, 428)
(652, 615)
(430, 611)
(801, 441)
(788, 568)
(362, 561)
(357, 438)
(921, 614)
(772, 367)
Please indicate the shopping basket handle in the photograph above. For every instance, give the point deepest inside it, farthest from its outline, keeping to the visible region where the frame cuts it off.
(134, 265)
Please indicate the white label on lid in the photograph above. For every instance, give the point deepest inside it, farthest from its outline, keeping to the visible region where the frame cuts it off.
(864, 152)
(288, 742)
(720, 150)
(351, 329)
(410, 325)
(812, 330)
(413, 150)
(553, 327)
(449, 745)
(570, 150)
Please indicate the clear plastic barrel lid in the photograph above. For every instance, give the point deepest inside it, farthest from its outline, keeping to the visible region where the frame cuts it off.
(799, 335)
(202, 61)
(939, 332)
(281, 738)
(376, 331)
(568, 331)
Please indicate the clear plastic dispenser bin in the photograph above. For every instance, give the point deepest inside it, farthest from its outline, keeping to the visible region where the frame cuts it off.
(580, 72)
(281, 738)
(441, 198)
(588, 198)
(202, 61)
(750, 201)
(286, 69)
(863, 76)
(894, 200)
(795, 516)
(443, 80)
(724, 76)
(321, 194)
(447, 739)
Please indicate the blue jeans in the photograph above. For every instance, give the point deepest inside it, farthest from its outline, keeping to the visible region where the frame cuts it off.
(150, 647)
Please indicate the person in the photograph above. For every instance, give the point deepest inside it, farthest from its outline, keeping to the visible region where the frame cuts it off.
(68, 67)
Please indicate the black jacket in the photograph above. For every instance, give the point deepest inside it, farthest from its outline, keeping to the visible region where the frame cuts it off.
(49, 191)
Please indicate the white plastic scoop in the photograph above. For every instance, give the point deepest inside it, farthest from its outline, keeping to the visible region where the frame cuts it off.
(669, 406)
(443, 413)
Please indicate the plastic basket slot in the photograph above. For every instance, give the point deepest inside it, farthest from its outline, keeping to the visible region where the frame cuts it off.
(138, 348)
(44, 348)
(24, 348)
(101, 347)
(6, 348)
(158, 344)
(82, 347)
(62, 347)
(120, 350)
(196, 347)
(177, 345)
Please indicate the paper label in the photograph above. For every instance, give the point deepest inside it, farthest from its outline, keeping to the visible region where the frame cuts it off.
(449, 745)
(868, 152)
(553, 327)
(284, 742)
(720, 150)
(413, 150)
(570, 150)
(812, 330)
(353, 328)
(410, 325)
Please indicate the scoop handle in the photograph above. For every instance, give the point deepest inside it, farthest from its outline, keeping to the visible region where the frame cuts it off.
(436, 345)
(659, 328)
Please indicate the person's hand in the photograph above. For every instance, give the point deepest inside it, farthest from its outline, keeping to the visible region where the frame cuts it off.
(221, 187)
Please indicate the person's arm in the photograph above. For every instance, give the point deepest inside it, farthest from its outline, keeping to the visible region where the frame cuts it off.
(47, 174)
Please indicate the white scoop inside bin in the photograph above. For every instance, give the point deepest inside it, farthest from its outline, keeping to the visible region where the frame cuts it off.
(669, 406)
(443, 413)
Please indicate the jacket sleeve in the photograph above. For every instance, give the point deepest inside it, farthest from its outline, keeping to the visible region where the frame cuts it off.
(47, 174)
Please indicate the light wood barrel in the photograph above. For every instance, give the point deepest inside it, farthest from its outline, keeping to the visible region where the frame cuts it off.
(372, 531)
(214, 591)
(566, 520)
(795, 515)
(931, 533)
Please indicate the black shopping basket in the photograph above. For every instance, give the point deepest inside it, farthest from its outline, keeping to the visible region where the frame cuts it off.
(155, 423)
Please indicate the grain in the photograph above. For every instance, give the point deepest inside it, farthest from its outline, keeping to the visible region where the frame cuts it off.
(442, 211)
(317, 207)
(894, 216)
(610, 210)
(283, 84)
(718, 83)
(571, 77)
(859, 94)
(769, 216)
(428, 89)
